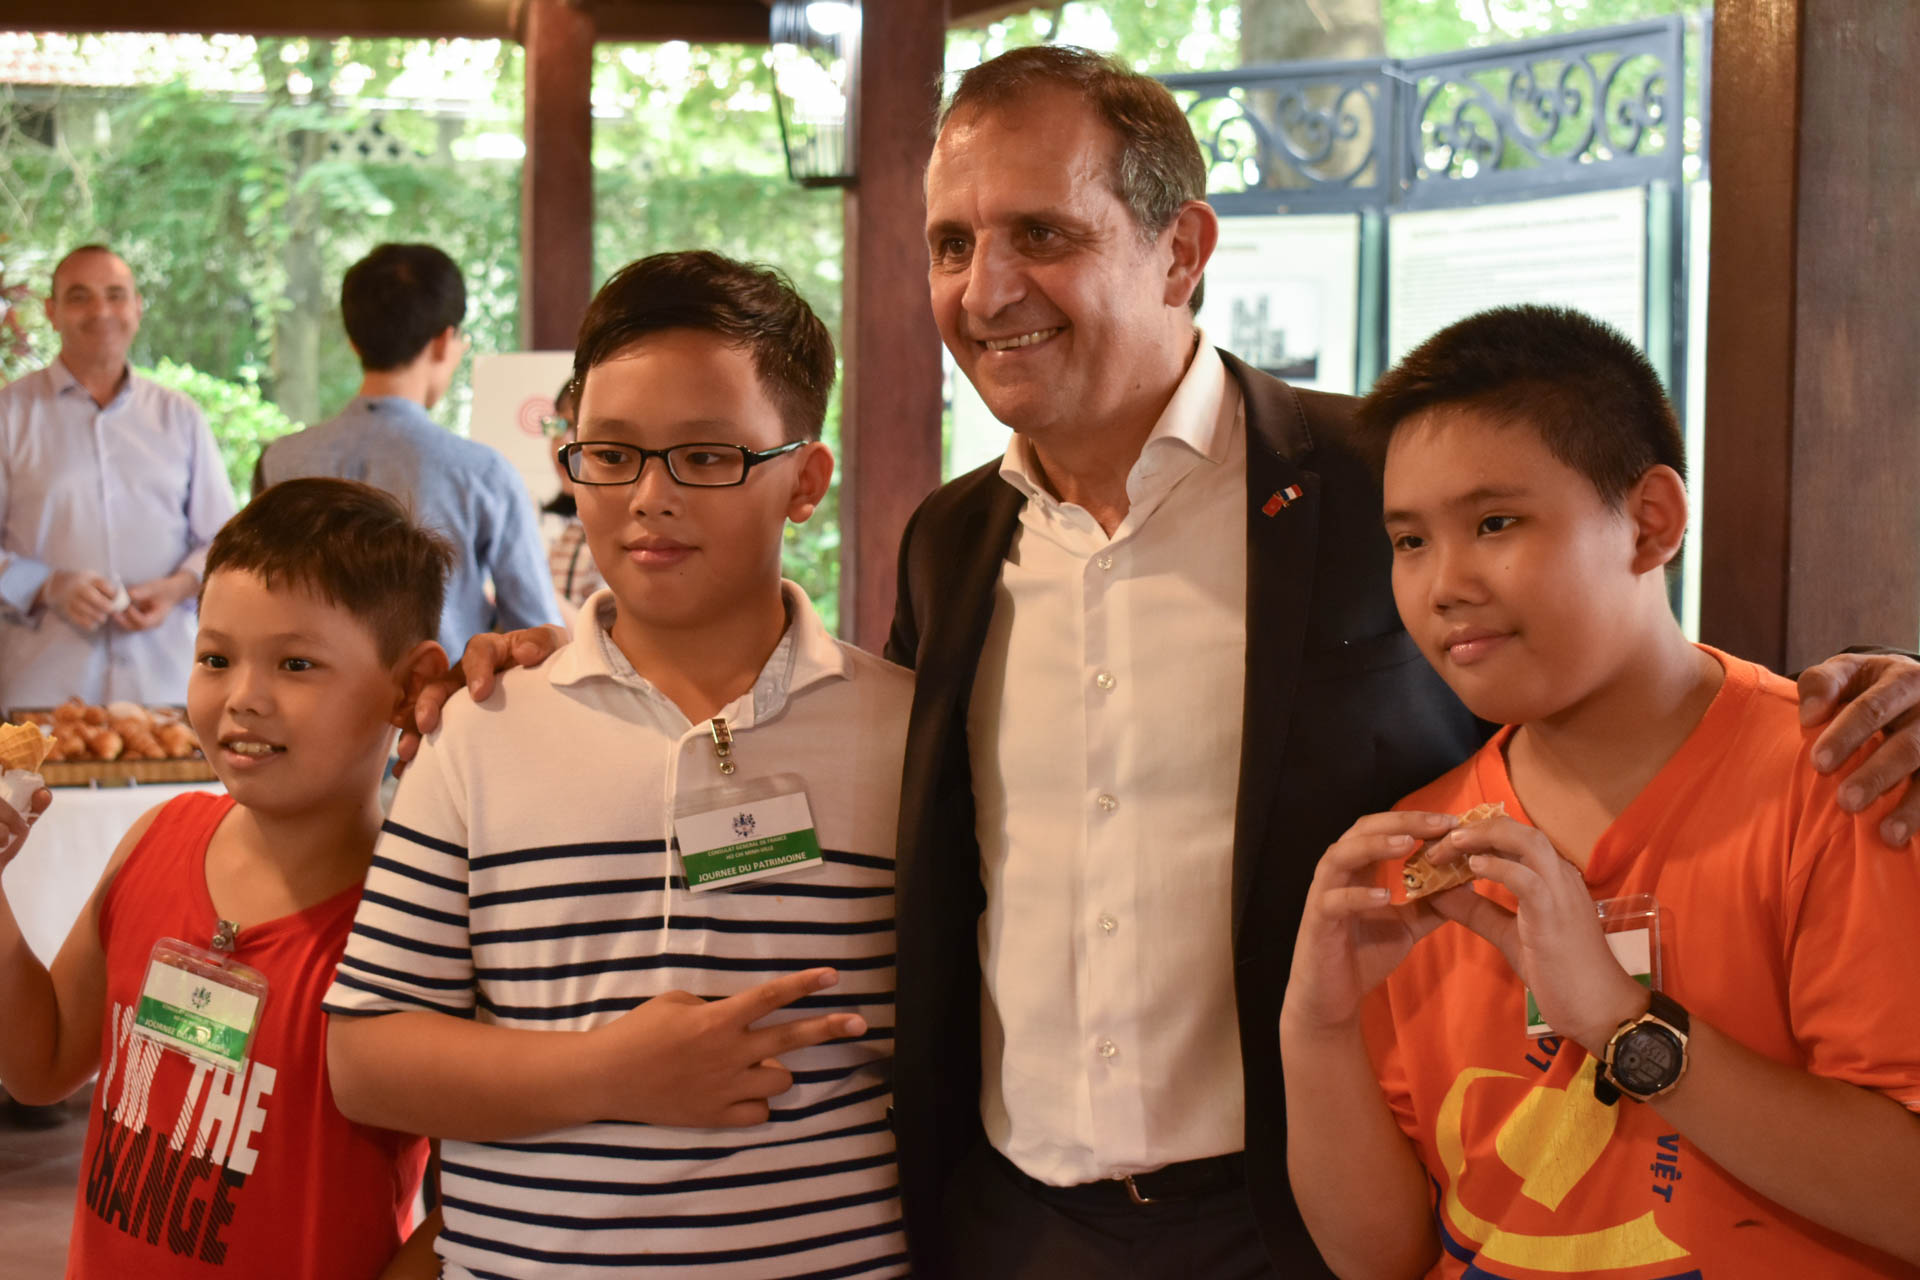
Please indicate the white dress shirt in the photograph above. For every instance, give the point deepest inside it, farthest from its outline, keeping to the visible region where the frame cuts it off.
(1104, 735)
(132, 492)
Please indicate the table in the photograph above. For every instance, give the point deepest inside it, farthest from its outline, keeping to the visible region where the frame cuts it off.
(50, 879)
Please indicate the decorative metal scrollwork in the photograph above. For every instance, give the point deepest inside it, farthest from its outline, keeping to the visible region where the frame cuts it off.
(1553, 109)
(1599, 108)
(1298, 138)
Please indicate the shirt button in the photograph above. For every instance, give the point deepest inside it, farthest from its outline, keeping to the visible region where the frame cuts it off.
(1108, 1050)
(1107, 804)
(1108, 924)
(1105, 562)
(1106, 681)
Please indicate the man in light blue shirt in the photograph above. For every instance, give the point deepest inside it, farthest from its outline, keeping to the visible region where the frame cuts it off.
(111, 487)
(402, 306)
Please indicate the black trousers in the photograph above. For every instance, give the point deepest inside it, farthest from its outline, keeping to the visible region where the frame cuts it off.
(1003, 1226)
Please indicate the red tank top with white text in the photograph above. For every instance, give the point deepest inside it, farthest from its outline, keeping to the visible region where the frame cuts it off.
(193, 1171)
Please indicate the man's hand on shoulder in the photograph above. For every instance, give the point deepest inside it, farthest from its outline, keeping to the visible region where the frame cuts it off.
(486, 656)
(1861, 694)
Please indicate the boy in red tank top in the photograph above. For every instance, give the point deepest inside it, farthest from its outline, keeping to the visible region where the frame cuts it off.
(1665, 1030)
(192, 981)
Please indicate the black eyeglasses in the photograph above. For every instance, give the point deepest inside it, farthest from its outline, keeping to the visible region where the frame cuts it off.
(698, 466)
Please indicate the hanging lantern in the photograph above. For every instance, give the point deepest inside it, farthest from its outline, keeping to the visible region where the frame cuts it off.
(816, 87)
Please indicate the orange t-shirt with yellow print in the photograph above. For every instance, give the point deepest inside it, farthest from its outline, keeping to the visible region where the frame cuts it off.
(1785, 924)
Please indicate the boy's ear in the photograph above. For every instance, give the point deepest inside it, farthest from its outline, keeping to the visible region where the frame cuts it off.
(810, 481)
(1657, 505)
(418, 668)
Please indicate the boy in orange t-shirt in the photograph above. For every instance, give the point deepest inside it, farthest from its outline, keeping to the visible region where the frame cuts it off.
(1476, 1084)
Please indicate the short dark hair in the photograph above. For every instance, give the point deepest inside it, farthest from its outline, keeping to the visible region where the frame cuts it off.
(1589, 392)
(750, 306)
(1158, 167)
(396, 300)
(352, 545)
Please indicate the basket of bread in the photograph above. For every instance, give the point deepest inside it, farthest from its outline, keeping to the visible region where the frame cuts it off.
(117, 743)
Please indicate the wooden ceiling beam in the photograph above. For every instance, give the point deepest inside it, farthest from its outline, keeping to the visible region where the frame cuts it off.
(978, 13)
(431, 19)
(649, 21)
(637, 21)
(695, 21)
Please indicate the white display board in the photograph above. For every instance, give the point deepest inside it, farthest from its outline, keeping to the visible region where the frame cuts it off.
(1283, 294)
(1585, 251)
(512, 392)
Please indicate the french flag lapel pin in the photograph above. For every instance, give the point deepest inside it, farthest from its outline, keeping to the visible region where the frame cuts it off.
(1281, 500)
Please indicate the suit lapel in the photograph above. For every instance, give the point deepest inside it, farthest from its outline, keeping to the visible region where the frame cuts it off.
(956, 623)
(1283, 529)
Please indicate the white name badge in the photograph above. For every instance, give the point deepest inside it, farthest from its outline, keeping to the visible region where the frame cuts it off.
(749, 831)
(201, 1003)
(1631, 926)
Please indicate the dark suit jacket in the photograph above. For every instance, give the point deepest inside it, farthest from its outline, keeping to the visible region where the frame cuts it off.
(1342, 717)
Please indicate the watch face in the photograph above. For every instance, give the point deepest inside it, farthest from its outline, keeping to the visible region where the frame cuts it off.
(1647, 1059)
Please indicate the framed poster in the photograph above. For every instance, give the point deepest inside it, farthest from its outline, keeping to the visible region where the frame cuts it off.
(1585, 251)
(1283, 294)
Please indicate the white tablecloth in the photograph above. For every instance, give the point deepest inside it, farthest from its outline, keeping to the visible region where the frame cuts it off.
(50, 879)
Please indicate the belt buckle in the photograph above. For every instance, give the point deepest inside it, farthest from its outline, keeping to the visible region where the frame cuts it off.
(1133, 1192)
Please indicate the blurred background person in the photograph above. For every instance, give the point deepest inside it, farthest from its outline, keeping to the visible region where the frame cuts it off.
(402, 306)
(111, 487)
(575, 575)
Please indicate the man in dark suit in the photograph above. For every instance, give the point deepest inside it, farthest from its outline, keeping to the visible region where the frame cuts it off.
(1064, 281)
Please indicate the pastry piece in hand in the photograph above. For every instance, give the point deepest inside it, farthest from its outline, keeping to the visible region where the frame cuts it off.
(23, 746)
(1424, 877)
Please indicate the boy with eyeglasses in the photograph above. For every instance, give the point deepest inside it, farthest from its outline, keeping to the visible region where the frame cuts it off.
(628, 940)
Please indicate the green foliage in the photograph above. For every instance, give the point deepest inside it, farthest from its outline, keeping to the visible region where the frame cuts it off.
(242, 421)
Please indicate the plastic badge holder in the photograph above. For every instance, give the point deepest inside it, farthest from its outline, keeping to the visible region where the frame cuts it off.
(201, 1003)
(1631, 926)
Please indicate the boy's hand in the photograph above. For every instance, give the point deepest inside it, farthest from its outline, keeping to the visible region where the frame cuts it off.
(14, 825)
(1554, 942)
(680, 1060)
(487, 654)
(1864, 693)
(1351, 935)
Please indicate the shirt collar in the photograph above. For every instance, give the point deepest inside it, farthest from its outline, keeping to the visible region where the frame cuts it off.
(806, 655)
(65, 381)
(1198, 420)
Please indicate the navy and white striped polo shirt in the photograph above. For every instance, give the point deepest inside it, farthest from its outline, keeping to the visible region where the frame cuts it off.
(525, 879)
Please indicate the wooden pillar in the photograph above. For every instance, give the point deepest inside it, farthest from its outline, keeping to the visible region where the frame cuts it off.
(556, 182)
(891, 395)
(1811, 527)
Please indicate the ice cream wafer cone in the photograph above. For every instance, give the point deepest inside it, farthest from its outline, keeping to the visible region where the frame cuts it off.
(23, 746)
(1424, 877)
